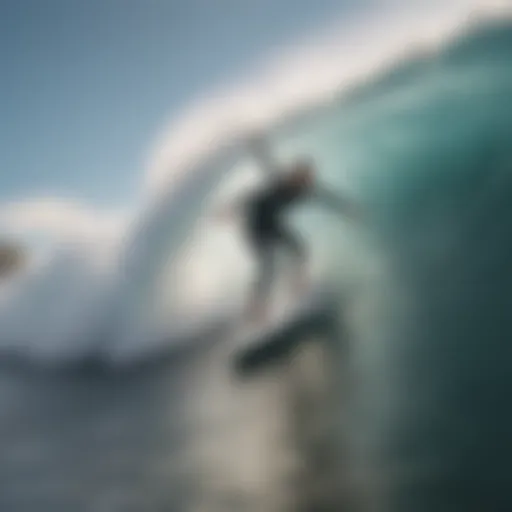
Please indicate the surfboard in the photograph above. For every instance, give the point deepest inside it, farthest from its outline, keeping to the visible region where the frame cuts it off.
(271, 341)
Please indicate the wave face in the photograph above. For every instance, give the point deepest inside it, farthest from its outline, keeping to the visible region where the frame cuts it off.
(414, 145)
(430, 147)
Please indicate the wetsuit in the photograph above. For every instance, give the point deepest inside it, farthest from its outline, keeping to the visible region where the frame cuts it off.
(266, 229)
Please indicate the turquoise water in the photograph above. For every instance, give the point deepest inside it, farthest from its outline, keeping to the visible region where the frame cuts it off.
(428, 154)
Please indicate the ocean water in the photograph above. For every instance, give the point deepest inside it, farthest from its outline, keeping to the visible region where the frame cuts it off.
(425, 149)
(179, 433)
(432, 350)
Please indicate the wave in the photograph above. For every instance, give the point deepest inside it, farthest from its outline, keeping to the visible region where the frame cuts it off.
(105, 300)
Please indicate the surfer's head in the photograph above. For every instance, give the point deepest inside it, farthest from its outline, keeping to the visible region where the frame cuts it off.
(302, 173)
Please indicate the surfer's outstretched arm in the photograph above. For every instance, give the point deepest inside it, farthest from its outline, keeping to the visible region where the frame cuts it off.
(338, 203)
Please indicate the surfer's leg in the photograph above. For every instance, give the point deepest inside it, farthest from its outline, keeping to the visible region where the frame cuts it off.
(297, 248)
(265, 269)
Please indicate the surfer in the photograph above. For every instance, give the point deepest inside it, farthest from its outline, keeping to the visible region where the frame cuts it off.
(265, 228)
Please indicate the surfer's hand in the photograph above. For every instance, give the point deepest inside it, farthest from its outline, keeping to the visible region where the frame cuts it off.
(340, 204)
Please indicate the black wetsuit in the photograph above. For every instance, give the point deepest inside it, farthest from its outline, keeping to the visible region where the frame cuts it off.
(266, 229)
(264, 217)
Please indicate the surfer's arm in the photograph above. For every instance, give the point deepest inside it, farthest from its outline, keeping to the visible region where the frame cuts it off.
(337, 203)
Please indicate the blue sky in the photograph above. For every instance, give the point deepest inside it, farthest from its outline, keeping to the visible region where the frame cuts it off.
(88, 85)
